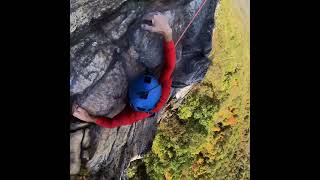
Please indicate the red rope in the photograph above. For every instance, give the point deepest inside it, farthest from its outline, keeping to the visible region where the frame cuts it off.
(195, 15)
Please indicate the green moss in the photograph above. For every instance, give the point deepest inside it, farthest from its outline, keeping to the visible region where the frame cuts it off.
(137, 171)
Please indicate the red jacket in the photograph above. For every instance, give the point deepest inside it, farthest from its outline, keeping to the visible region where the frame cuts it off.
(128, 115)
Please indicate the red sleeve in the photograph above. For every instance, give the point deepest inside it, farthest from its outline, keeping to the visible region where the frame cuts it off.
(165, 77)
(126, 117)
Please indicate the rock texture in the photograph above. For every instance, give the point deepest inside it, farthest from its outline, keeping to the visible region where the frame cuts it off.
(108, 49)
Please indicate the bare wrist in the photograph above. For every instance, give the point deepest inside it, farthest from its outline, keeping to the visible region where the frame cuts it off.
(93, 119)
(168, 35)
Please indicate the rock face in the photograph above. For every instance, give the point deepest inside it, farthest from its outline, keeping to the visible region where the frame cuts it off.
(107, 50)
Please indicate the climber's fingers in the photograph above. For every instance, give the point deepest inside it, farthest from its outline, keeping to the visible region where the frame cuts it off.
(76, 114)
(83, 115)
(148, 28)
(81, 110)
(77, 110)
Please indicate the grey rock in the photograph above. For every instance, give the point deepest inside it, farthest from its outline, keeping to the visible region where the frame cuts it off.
(90, 66)
(86, 139)
(85, 156)
(75, 150)
(108, 49)
(119, 26)
(82, 12)
(131, 63)
(114, 148)
(74, 126)
(85, 145)
(109, 93)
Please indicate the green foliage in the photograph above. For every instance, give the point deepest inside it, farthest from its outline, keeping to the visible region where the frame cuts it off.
(208, 136)
(131, 171)
(137, 171)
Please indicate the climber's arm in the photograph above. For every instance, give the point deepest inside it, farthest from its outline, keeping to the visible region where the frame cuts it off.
(165, 77)
(161, 25)
(126, 117)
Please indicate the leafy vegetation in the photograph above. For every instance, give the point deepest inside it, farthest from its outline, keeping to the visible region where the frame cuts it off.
(207, 137)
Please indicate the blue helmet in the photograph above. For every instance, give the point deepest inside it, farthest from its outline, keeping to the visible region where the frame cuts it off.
(144, 92)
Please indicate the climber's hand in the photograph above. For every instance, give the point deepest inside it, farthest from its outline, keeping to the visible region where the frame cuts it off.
(160, 25)
(83, 115)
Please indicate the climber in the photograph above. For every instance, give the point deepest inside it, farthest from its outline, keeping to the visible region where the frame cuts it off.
(147, 95)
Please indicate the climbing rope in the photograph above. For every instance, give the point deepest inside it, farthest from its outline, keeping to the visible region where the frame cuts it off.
(194, 16)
